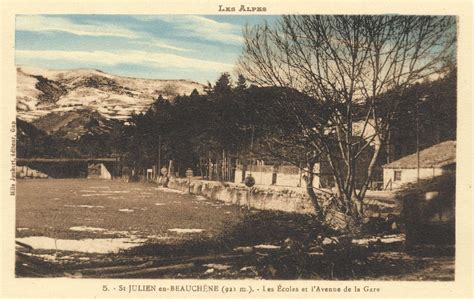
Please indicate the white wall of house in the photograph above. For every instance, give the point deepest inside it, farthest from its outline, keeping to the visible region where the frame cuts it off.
(293, 180)
(283, 179)
(104, 172)
(98, 171)
(261, 178)
(408, 175)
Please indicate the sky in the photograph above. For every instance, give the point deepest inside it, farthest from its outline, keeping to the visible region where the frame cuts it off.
(194, 47)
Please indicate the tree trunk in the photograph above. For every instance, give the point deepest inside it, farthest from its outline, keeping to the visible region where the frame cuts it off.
(309, 189)
(370, 170)
(359, 208)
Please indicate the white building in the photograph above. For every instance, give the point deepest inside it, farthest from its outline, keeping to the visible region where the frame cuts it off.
(283, 175)
(434, 161)
(98, 171)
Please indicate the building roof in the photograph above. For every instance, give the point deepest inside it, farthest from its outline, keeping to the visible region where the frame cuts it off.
(437, 156)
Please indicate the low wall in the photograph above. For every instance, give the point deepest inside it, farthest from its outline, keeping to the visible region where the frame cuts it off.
(259, 197)
(26, 172)
(278, 198)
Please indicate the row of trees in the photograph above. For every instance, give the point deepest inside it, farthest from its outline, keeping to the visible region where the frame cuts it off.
(261, 122)
(227, 117)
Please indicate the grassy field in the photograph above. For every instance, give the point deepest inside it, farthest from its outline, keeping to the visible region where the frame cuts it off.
(51, 207)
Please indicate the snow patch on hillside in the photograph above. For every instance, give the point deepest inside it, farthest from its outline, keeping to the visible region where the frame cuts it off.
(114, 97)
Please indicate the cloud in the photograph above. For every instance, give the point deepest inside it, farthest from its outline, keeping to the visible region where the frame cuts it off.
(39, 23)
(157, 43)
(121, 57)
(146, 18)
(167, 46)
(199, 26)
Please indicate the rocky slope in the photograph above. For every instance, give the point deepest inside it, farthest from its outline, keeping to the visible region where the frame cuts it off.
(74, 124)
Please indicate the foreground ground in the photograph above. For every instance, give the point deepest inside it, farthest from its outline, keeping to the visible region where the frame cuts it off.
(95, 228)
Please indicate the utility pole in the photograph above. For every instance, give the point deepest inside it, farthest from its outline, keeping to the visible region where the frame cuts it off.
(417, 124)
(417, 120)
(159, 155)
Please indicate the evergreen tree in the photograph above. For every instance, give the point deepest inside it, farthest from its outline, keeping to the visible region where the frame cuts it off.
(241, 83)
(223, 84)
(194, 93)
(208, 88)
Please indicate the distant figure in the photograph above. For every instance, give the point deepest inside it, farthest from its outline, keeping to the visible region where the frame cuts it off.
(165, 181)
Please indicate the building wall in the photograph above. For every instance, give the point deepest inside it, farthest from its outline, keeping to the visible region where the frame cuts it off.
(261, 177)
(293, 180)
(104, 172)
(98, 171)
(282, 178)
(409, 175)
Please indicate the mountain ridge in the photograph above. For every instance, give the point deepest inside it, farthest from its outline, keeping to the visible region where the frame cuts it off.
(42, 91)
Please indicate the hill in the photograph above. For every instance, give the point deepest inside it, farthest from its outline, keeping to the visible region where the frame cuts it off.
(75, 123)
(40, 92)
(34, 142)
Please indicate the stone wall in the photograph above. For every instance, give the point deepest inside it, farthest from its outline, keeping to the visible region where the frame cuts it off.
(279, 198)
(260, 197)
(26, 172)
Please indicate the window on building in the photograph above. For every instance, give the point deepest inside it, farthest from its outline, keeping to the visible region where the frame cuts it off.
(397, 175)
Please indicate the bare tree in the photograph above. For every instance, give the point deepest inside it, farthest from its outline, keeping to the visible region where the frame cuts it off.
(348, 64)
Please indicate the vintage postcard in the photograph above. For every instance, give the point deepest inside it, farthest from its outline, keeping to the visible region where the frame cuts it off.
(230, 149)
